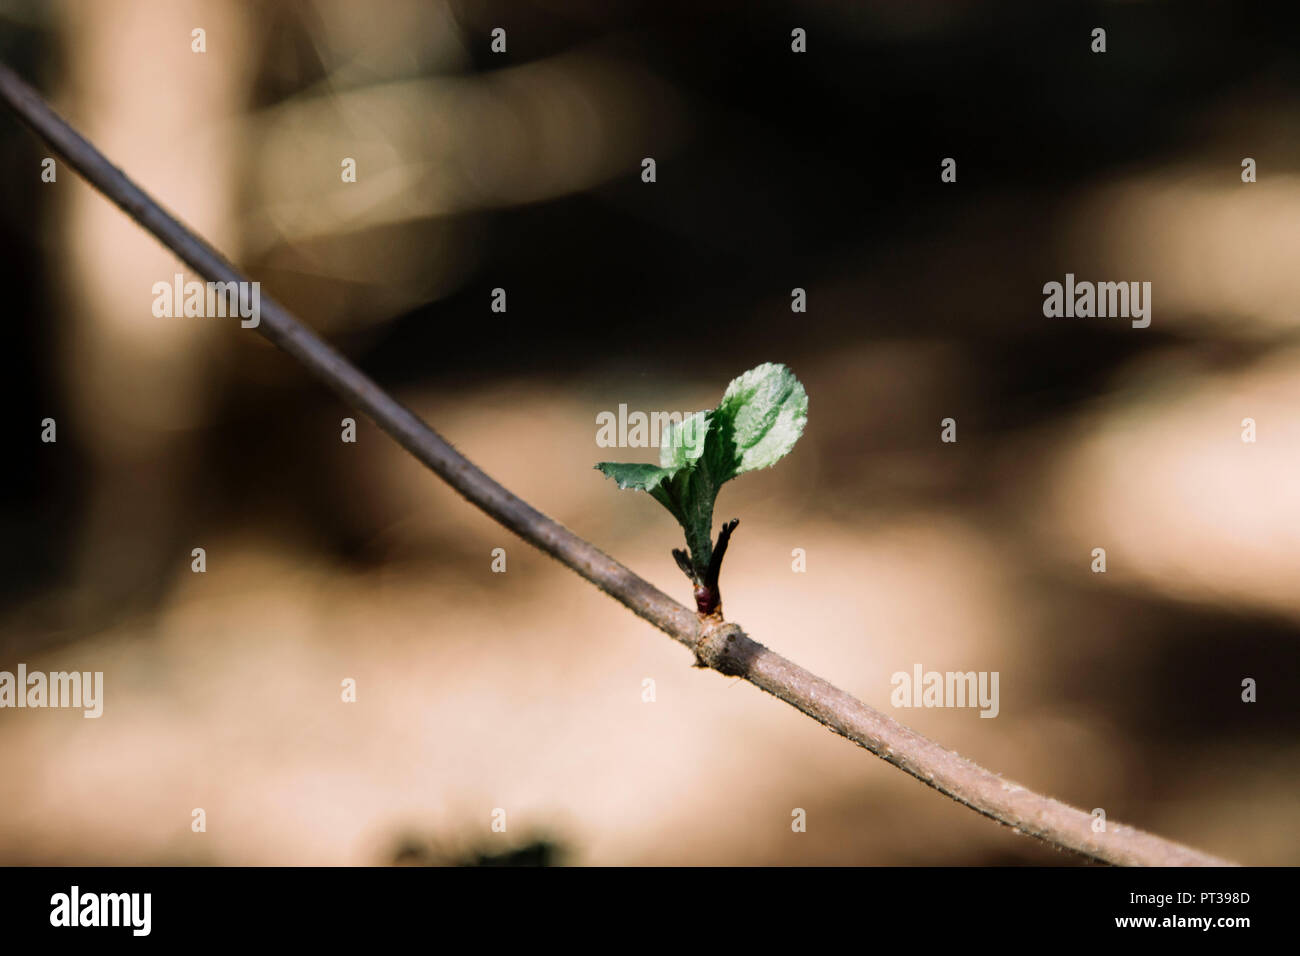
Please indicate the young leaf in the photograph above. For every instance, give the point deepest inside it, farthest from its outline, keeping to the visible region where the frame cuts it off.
(668, 483)
(764, 412)
(638, 477)
(761, 416)
(684, 443)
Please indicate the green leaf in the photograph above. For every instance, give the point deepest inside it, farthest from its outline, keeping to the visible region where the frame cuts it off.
(761, 416)
(639, 477)
(684, 443)
(689, 496)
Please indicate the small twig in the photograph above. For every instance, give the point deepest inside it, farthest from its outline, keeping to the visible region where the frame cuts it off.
(724, 647)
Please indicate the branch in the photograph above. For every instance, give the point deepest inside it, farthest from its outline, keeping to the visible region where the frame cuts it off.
(721, 646)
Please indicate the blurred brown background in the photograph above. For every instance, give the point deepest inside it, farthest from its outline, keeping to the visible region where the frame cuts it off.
(523, 690)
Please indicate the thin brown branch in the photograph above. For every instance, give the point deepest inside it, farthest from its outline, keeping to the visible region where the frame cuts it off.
(722, 646)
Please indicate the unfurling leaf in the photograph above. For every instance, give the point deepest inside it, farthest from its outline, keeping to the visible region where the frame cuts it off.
(761, 416)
